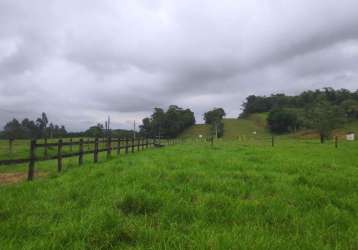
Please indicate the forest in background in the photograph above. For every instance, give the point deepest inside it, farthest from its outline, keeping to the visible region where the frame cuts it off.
(322, 110)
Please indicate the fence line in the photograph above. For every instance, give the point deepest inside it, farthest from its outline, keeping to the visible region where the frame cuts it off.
(110, 145)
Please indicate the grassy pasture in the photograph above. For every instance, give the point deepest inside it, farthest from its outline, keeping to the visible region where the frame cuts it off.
(196, 130)
(21, 148)
(233, 128)
(237, 195)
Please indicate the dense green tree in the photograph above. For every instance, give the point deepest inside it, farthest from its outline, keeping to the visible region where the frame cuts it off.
(214, 118)
(168, 123)
(29, 129)
(95, 131)
(214, 115)
(13, 130)
(350, 108)
(41, 123)
(324, 117)
(283, 120)
(259, 104)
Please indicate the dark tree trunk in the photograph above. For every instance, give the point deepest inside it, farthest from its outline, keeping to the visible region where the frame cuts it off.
(322, 138)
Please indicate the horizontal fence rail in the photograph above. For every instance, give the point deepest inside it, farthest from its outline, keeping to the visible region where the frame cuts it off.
(92, 147)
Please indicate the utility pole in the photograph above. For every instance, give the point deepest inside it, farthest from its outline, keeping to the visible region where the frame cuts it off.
(134, 129)
(216, 130)
(109, 122)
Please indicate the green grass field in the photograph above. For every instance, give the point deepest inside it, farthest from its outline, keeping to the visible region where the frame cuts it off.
(233, 128)
(237, 195)
(196, 130)
(21, 148)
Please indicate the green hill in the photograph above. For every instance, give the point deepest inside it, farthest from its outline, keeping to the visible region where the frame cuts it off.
(255, 123)
(196, 130)
(233, 127)
(246, 127)
(340, 132)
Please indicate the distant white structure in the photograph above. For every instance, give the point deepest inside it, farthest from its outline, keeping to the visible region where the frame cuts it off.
(350, 136)
(200, 136)
(254, 133)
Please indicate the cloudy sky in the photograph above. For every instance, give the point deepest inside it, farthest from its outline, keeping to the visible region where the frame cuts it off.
(81, 60)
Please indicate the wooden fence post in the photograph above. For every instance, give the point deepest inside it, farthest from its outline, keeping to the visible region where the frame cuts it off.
(45, 149)
(109, 147)
(11, 140)
(127, 145)
(30, 175)
(59, 155)
(138, 144)
(146, 142)
(95, 151)
(71, 144)
(336, 141)
(132, 145)
(80, 158)
(119, 146)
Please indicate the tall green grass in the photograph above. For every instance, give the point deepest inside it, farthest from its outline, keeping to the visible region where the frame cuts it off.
(236, 195)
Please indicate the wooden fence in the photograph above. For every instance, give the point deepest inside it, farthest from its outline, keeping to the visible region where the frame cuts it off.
(117, 144)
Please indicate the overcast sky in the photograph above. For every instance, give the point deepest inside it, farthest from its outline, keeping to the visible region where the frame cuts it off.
(81, 60)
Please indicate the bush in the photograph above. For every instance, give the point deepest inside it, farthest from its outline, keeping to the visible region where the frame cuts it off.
(282, 121)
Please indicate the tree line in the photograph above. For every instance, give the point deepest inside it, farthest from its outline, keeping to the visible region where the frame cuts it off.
(26, 129)
(322, 110)
(41, 128)
(169, 123)
(175, 120)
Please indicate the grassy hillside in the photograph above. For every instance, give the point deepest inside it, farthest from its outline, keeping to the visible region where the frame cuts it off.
(341, 132)
(245, 128)
(233, 128)
(298, 195)
(196, 130)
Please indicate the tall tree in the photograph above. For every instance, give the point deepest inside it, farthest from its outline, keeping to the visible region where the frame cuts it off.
(30, 129)
(42, 124)
(214, 117)
(95, 131)
(282, 121)
(13, 129)
(324, 117)
(168, 123)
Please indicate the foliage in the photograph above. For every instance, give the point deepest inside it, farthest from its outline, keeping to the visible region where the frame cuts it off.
(214, 118)
(324, 117)
(258, 104)
(214, 115)
(30, 129)
(168, 124)
(95, 131)
(283, 120)
(350, 108)
(321, 109)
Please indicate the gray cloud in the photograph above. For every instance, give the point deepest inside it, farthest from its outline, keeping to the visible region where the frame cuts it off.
(82, 60)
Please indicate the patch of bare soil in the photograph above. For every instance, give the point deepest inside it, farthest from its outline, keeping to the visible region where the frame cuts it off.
(11, 178)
